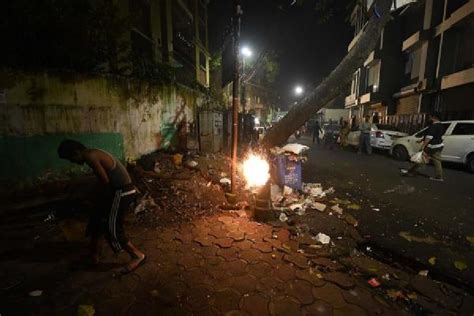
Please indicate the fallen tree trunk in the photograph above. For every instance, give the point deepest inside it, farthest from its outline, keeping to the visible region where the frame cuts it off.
(335, 83)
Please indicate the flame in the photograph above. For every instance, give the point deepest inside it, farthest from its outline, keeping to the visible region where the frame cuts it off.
(256, 171)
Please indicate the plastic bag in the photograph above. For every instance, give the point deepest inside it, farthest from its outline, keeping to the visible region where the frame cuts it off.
(419, 158)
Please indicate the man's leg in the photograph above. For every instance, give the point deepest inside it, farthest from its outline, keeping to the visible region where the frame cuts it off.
(119, 236)
(436, 157)
(95, 249)
(413, 170)
(367, 144)
(95, 229)
(361, 142)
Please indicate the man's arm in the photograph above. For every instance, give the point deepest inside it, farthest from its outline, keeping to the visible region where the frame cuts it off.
(425, 143)
(427, 138)
(99, 170)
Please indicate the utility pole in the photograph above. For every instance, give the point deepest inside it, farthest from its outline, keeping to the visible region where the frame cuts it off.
(235, 93)
(244, 97)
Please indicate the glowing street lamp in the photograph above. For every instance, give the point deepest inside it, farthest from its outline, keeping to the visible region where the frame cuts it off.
(299, 90)
(246, 51)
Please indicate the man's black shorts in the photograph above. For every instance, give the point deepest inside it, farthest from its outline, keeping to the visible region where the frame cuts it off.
(109, 218)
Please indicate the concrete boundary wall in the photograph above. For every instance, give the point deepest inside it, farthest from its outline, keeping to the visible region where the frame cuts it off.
(121, 115)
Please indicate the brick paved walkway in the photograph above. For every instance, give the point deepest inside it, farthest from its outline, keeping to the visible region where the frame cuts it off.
(220, 265)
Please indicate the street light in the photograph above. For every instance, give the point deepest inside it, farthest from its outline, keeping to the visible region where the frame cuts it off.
(299, 90)
(246, 51)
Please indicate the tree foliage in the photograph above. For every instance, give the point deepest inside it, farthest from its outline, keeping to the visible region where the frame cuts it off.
(71, 34)
(86, 36)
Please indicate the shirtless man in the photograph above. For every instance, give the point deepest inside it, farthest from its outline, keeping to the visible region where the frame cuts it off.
(108, 220)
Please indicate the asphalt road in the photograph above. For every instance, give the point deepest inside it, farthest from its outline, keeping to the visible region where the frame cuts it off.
(418, 219)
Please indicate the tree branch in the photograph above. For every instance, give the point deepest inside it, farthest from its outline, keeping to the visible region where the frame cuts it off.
(334, 84)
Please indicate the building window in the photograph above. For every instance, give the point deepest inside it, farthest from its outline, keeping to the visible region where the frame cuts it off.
(140, 16)
(202, 10)
(141, 42)
(355, 83)
(202, 61)
(202, 32)
(454, 5)
(373, 77)
(460, 54)
(412, 65)
(183, 36)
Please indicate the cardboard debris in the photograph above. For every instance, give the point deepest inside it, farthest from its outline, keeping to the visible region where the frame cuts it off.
(296, 149)
(374, 282)
(146, 204)
(337, 209)
(427, 240)
(225, 181)
(283, 217)
(461, 265)
(354, 206)
(191, 164)
(296, 206)
(85, 310)
(319, 206)
(300, 211)
(35, 293)
(323, 238)
(287, 190)
(313, 189)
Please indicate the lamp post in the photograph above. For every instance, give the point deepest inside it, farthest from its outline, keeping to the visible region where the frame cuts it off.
(235, 93)
(245, 52)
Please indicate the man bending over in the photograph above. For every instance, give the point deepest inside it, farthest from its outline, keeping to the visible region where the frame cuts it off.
(108, 219)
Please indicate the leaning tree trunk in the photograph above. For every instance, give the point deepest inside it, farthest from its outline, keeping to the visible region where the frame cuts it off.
(333, 85)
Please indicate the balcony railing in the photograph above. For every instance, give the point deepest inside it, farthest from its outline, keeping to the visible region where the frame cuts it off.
(408, 123)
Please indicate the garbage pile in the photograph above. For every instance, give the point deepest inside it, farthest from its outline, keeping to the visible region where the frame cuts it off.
(293, 204)
(294, 152)
(176, 188)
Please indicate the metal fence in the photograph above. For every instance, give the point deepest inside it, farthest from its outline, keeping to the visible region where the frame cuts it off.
(408, 123)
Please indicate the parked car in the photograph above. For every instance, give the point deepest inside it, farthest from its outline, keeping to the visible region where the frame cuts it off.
(458, 142)
(381, 136)
(332, 128)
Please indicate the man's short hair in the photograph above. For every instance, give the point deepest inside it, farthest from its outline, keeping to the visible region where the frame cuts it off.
(68, 148)
(436, 115)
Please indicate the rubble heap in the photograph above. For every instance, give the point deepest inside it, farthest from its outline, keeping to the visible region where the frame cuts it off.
(175, 188)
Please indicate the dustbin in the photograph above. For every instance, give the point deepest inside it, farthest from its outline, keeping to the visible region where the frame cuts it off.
(288, 171)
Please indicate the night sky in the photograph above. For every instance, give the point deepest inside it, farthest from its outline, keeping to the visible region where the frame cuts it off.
(307, 47)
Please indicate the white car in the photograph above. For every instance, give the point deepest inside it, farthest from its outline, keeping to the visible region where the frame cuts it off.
(458, 142)
(381, 136)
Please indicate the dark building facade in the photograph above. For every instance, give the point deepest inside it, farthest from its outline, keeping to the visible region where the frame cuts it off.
(424, 62)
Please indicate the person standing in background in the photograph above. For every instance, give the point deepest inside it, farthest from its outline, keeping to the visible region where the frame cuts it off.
(344, 133)
(364, 141)
(316, 131)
